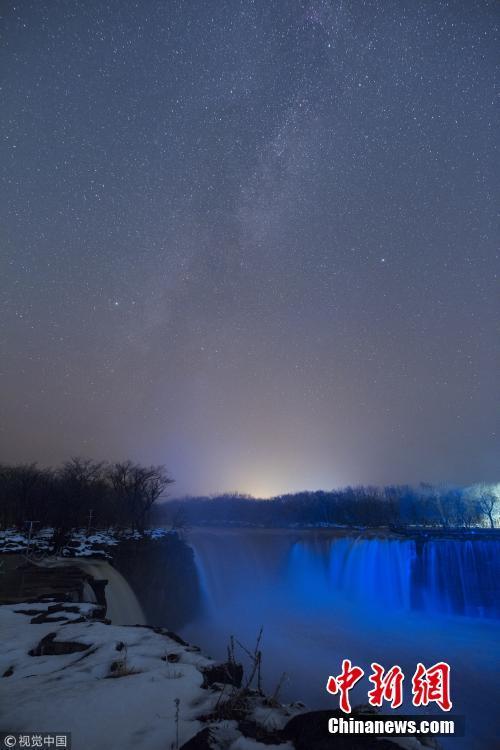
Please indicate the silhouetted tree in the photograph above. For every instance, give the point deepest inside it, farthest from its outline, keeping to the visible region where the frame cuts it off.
(82, 484)
(23, 493)
(137, 488)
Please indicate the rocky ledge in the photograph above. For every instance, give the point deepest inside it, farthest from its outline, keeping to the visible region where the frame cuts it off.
(159, 557)
(64, 667)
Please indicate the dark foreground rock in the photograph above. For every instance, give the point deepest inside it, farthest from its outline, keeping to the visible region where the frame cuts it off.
(310, 730)
(48, 646)
(204, 740)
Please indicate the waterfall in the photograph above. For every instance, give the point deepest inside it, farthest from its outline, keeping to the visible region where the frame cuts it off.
(123, 607)
(377, 572)
(458, 577)
(234, 565)
(453, 577)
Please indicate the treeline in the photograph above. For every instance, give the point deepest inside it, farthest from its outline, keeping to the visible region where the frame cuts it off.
(85, 494)
(80, 494)
(396, 506)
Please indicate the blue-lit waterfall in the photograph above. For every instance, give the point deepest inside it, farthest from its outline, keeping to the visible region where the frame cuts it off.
(323, 597)
(456, 577)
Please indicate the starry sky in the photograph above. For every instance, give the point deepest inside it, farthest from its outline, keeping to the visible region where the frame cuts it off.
(252, 240)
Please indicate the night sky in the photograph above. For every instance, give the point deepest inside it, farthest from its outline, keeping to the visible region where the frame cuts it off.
(253, 241)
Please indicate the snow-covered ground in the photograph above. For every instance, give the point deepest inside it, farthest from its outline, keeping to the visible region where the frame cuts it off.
(82, 544)
(119, 690)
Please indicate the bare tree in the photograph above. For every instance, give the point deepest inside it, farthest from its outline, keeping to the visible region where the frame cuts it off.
(22, 493)
(487, 503)
(79, 493)
(138, 488)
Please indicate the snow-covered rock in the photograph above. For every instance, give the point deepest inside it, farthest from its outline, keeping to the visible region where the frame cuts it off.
(81, 544)
(115, 687)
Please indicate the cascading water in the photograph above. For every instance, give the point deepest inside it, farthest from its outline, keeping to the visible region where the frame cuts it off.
(123, 607)
(458, 577)
(377, 572)
(323, 597)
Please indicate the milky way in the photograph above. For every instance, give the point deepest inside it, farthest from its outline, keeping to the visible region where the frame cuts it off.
(254, 241)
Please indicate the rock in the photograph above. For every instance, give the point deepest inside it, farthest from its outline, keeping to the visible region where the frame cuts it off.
(204, 740)
(48, 646)
(63, 608)
(172, 658)
(259, 733)
(310, 730)
(44, 617)
(57, 613)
